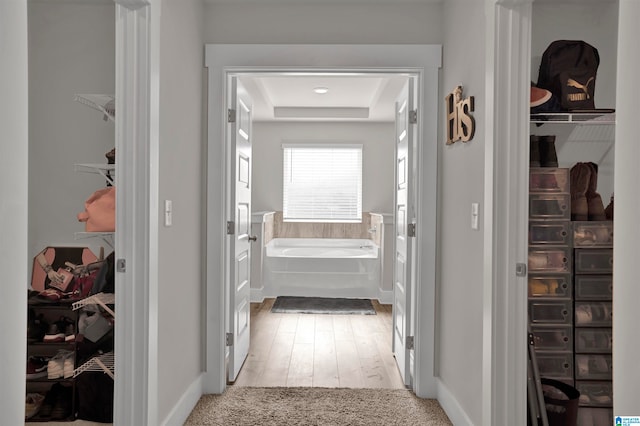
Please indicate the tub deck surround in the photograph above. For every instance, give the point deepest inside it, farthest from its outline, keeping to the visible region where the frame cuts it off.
(284, 229)
(322, 267)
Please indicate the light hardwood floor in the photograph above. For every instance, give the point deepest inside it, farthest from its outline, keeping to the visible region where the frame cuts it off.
(348, 351)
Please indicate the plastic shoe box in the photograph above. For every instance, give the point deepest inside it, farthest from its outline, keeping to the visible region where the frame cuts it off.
(550, 259)
(547, 179)
(555, 364)
(553, 338)
(594, 340)
(593, 367)
(595, 394)
(550, 233)
(550, 286)
(550, 207)
(594, 261)
(550, 312)
(594, 287)
(593, 314)
(588, 416)
(593, 234)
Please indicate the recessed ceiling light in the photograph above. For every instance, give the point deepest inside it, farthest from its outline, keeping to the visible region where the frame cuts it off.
(320, 90)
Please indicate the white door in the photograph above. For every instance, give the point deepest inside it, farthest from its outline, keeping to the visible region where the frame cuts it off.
(239, 227)
(404, 221)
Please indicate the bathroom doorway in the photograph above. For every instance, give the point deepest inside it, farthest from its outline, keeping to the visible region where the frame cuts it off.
(219, 61)
(321, 111)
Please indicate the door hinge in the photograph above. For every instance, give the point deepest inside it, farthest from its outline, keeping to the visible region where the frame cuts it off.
(121, 265)
(231, 227)
(410, 343)
(229, 339)
(411, 230)
(231, 115)
(521, 269)
(413, 116)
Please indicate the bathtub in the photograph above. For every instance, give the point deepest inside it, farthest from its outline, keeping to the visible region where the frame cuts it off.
(322, 267)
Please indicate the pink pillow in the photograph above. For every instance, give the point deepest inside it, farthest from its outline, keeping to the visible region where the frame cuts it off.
(100, 211)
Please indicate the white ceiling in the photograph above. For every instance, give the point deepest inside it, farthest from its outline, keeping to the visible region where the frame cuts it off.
(351, 97)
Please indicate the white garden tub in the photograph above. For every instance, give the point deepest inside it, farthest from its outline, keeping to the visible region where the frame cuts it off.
(322, 267)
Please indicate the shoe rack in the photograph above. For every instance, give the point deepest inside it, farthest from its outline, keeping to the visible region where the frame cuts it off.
(593, 283)
(550, 268)
(570, 280)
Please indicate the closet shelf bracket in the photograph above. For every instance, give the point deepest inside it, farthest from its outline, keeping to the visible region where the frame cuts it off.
(104, 363)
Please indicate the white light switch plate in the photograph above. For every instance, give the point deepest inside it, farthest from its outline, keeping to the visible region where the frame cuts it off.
(168, 212)
(475, 212)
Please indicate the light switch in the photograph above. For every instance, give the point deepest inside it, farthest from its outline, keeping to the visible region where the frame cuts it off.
(474, 216)
(168, 212)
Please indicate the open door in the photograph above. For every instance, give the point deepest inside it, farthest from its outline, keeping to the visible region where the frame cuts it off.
(404, 231)
(239, 227)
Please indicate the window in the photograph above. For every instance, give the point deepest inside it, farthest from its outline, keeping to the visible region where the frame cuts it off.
(322, 183)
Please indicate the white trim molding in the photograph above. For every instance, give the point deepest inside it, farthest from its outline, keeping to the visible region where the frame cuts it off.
(450, 405)
(421, 60)
(185, 405)
(506, 211)
(136, 215)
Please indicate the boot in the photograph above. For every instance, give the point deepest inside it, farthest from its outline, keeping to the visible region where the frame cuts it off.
(534, 151)
(580, 175)
(594, 201)
(548, 156)
(608, 212)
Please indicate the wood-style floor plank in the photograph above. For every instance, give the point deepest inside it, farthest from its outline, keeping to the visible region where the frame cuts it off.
(320, 350)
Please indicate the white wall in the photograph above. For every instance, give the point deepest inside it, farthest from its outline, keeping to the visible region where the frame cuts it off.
(180, 247)
(462, 183)
(340, 22)
(13, 207)
(597, 24)
(71, 50)
(377, 159)
(626, 373)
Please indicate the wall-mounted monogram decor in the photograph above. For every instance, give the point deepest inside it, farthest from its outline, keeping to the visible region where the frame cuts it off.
(460, 123)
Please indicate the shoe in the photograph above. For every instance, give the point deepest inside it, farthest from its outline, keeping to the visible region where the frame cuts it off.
(548, 156)
(584, 315)
(32, 404)
(534, 151)
(55, 366)
(580, 176)
(37, 327)
(595, 208)
(36, 367)
(55, 333)
(69, 365)
(608, 211)
(69, 330)
(62, 408)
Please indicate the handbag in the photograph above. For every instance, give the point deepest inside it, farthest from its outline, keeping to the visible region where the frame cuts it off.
(99, 212)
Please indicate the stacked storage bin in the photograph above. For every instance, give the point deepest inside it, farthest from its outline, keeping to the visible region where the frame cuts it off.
(549, 278)
(593, 254)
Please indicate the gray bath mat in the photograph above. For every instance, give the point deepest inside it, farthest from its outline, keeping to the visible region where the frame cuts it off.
(322, 305)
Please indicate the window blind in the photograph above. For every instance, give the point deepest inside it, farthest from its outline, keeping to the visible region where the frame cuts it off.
(322, 183)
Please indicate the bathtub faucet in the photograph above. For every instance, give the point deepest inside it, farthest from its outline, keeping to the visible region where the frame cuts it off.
(372, 230)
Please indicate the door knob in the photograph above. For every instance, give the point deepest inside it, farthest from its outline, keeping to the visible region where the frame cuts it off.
(254, 238)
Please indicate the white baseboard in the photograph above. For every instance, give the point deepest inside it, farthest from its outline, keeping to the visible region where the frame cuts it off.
(385, 297)
(257, 295)
(185, 405)
(451, 406)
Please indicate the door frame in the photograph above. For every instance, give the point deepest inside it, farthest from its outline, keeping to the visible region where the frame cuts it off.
(508, 73)
(422, 60)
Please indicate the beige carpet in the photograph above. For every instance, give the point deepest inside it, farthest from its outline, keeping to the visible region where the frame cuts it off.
(247, 406)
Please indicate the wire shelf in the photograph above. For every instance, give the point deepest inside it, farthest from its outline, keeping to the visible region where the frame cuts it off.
(107, 237)
(599, 118)
(106, 170)
(103, 363)
(102, 299)
(103, 103)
